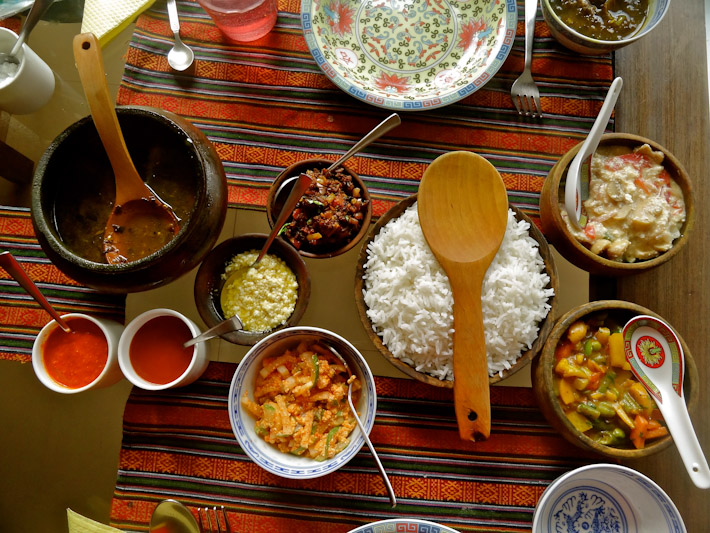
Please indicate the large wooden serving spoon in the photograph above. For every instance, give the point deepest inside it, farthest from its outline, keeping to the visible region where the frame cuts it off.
(140, 222)
(463, 212)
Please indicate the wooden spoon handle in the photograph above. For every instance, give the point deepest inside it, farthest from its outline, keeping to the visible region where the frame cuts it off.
(471, 387)
(89, 62)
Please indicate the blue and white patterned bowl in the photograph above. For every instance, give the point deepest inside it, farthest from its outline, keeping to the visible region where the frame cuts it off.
(268, 456)
(602, 498)
(409, 56)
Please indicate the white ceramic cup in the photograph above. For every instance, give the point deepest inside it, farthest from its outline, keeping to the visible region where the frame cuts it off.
(200, 353)
(33, 84)
(109, 375)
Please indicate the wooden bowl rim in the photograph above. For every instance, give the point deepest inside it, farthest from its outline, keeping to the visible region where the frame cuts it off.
(320, 162)
(526, 357)
(602, 264)
(547, 356)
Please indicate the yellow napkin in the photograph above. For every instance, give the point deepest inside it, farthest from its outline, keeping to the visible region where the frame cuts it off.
(81, 524)
(106, 18)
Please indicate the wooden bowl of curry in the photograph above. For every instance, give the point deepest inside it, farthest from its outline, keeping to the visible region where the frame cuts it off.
(73, 192)
(332, 216)
(588, 426)
(635, 222)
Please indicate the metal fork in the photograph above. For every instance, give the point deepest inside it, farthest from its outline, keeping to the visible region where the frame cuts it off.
(211, 517)
(525, 94)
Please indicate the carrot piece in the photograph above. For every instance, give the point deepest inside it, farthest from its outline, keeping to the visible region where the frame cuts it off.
(638, 434)
(655, 433)
(594, 381)
(653, 424)
(563, 350)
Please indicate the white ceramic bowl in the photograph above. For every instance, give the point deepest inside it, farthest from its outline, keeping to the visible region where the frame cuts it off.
(109, 375)
(268, 456)
(615, 496)
(200, 353)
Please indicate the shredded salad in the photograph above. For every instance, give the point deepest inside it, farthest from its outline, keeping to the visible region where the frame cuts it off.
(301, 402)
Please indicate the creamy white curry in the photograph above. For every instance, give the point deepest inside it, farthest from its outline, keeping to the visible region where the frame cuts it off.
(635, 209)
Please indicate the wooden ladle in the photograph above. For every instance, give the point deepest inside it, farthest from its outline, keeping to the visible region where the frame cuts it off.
(140, 222)
(463, 212)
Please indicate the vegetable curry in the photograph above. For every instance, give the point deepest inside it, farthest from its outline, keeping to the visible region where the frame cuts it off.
(300, 402)
(598, 393)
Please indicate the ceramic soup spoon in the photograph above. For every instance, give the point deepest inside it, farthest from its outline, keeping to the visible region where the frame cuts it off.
(577, 185)
(657, 360)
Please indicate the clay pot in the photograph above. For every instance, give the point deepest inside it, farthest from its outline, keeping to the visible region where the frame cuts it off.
(73, 191)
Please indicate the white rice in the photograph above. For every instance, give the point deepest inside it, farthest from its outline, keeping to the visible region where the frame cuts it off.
(410, 304)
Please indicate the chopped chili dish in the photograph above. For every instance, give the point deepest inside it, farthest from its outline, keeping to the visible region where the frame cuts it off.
(598, 393)
(329, 215)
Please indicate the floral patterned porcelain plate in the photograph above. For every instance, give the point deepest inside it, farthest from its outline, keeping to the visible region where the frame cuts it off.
(409, 54)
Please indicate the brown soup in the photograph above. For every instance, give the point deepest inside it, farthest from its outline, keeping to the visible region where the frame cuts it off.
(606, 20)
(84, 194)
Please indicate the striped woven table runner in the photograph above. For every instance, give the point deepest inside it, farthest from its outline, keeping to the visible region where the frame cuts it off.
(266, 104)
(21, 317)
(179, 444)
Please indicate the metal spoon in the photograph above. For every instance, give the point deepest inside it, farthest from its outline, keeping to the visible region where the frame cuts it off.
(383, 127)
(657, 360)
(388, 485)
(304, 181)
(10, 264)
(226, 326)
(36, 11)
(576, 188)
(170, 516)
(180, 56)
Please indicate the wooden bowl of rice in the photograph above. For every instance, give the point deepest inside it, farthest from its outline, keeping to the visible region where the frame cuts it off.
(376, 332)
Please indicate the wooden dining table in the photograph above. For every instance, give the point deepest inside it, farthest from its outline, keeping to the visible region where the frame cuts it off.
(665, 98)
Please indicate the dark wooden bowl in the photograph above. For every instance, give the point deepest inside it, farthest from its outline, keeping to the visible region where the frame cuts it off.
(319, 163)
(525, 357)
(545, 393)
(73, 192)
(209, 282)
(555, 229)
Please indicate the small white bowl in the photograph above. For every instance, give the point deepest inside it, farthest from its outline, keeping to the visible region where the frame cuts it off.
(268, 456)
(200, 353)
(109, 375)
(611, 494)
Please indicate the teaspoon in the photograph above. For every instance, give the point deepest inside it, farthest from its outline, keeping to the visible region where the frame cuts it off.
(385, 478)
(170, 516)
(180, 56)
(226, 326)
(10, 264)
(36, 11)
(383, 127)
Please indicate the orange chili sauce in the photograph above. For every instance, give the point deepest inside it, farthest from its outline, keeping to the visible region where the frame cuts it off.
(75, 359)
(156, 351)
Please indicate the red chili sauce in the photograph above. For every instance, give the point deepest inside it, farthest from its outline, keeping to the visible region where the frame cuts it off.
(75, 359)
(156, 351)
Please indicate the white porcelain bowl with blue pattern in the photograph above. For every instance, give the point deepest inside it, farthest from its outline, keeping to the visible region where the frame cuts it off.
(600, 498)
(268, 456)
